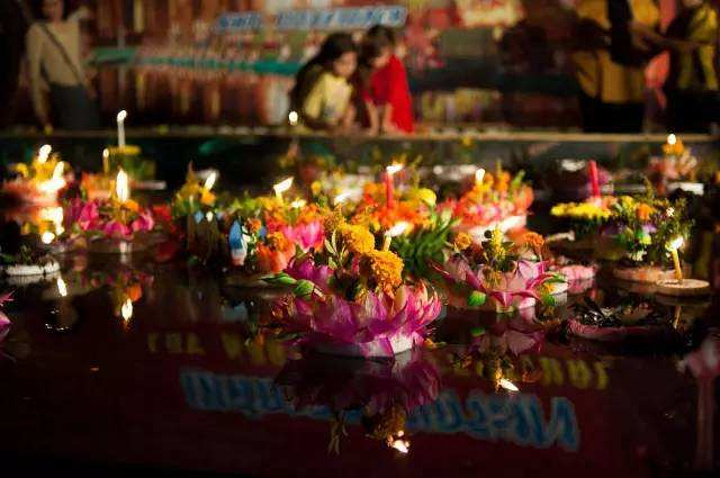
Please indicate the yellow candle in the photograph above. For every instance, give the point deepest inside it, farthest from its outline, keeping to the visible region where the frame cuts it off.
(676, 244)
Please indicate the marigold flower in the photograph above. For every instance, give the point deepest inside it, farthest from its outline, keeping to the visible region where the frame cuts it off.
(463, 241)
(644, 211)
(357, 238)
(253, 225)
(386, 269)
(533, 240)
(278, 241)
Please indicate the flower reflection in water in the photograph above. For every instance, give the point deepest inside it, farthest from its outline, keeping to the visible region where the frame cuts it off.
(385, 392)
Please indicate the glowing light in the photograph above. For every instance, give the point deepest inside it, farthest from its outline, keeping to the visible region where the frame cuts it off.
(126, 310)
(121, 127)
(282, 187)
(54, 215)
(403, 446)
(44, 153)
(672, 140)
(394, 168)
(106, 153)
(341, 198)
(210, 181)
(61, 287)
(122, 187)
(676, 243)
(298, 203)
(122, 114)
(209, 216)
(398, 229)
(293, 118)
(670, 211)
(508, 385)
(479, 175)
(47, 237)
(56, 183)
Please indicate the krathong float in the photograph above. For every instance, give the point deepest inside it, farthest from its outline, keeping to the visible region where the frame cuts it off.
(632, 319)
(679, 285)
(494, 201)
(117, 224)
(351, 299)
(385, 392)
(638, 233)
(677, 167)
(583, 220)
(37, 185)
(498, 276)
(28, 265)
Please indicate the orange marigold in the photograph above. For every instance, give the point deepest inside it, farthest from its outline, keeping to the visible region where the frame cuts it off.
(386, 269)
(533, 240)
(644, 211)
(357, 238)
(463, 241)
(278, 241)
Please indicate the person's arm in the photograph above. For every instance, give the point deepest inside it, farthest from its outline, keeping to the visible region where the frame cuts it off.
(373, 117)
(34, 41)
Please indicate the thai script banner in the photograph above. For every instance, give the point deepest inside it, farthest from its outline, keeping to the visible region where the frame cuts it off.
(327, 19)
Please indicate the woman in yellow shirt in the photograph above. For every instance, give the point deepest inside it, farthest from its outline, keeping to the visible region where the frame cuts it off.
(321, 96)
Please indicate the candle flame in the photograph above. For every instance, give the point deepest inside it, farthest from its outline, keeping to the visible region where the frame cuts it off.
(283, 186)
(121, 116)
(298, 203)
(676, 243)
(398, 229)
(341, 198)
(508, 385)
(55, 183)
(44, 153)
(394, 168)
(479, 175)
(47, 237)
(210, 181)
(672, 140)
(106, 153)
(126, 310)
(209, 216)
(122, 188)
(403, 446)
(61, 287)
(293, 118)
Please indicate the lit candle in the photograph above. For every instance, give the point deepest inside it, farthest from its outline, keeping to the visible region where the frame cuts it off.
(397, 230)
(121, 127)
(106, 160)
(281, 187)
(210, 181)
(508, 385)
(56, 182)
(594, 179)
(479, 176)
(673, 247)
(671, 140)
(390, 185)
(44, 153)
(122, 188)
(61, 287)
(126, 310)
(293, 118)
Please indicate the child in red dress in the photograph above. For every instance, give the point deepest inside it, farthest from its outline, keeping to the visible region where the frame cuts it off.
(386, 92)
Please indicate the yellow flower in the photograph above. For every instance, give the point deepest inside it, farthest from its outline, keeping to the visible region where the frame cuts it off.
(207, 198)
(463, 241)
(357, 238)
(425, 195)
(316, 188)
(386, 268)
(127, 150)
(582, 211)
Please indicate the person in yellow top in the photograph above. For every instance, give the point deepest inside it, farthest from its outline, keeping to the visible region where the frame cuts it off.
(612, 93)
(692, 85)
(322, 92)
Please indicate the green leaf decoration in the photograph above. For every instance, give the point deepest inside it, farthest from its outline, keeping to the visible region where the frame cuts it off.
(303, 288)
(548, 300)
(477, 331)
(476, 299)
(281, 279)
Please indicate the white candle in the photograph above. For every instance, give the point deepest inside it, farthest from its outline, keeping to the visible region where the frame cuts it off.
(44, 153)
(479, 176)
(122, 188)
(210, 181)
(281, 187)
(397, 230)
(121, 127)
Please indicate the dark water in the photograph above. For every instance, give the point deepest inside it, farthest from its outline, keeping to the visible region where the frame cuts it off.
(189, 382)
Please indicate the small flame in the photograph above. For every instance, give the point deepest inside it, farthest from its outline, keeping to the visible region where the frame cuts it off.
(283, 186)
(676, 243)
(44, 153)
(341, 198)
(126, 310)
(57, 182)
(62, 287)
(298, 203)
(398, 229)
(121, 116)
(403, 446)
(122, 188)
(209, 216)
(479, 175)
(508, 385)
(210, 181)
(293, 118)
(47, 237)
(106, 153)
(672, 140)
(394, 168)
